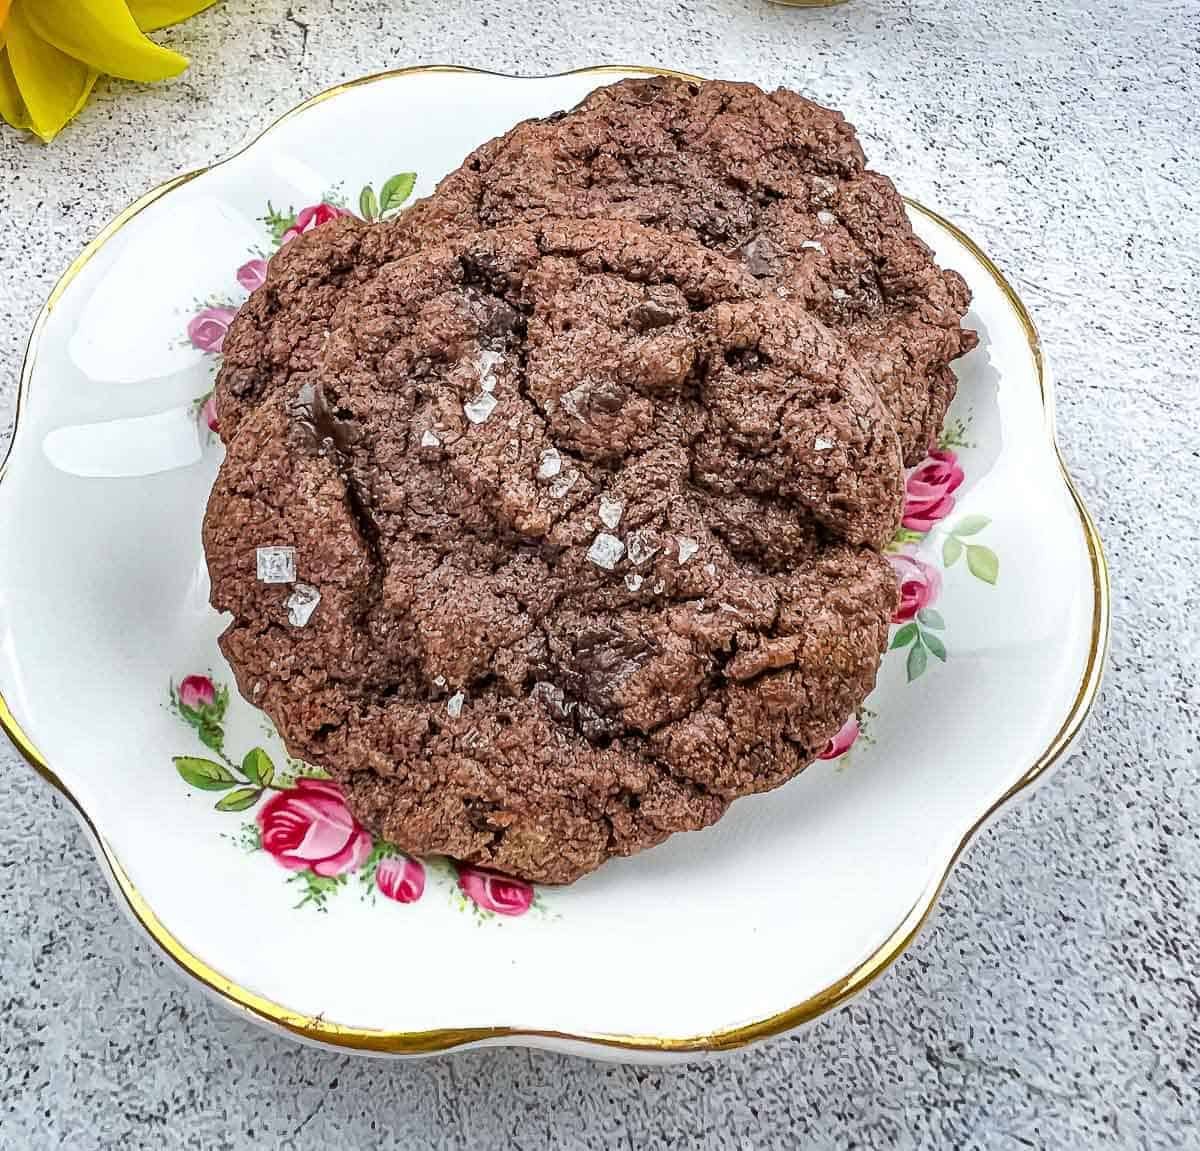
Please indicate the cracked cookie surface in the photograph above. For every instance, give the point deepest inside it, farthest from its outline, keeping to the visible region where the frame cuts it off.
(592, 518)
(771, 179)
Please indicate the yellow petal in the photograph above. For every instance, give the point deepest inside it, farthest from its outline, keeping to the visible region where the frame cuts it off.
(52, 84)
(12, 107)
(3, 16)
(104, 35)
(154, 14)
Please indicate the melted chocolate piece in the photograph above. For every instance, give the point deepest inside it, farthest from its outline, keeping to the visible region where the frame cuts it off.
(603, 660)
(651, 315)
(316, 426)
(761, 255)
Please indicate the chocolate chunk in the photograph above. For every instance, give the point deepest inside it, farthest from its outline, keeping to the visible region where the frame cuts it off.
(317, 426)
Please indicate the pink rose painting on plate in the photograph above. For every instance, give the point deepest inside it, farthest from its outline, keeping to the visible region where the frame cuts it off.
(843, 741)
(496, 893)
(928, 491)
(310, 826)
(400, 878)
(312, 217)
(302, 822)
(920, 583)
(929, 501)
(207, 328)
(252, 274)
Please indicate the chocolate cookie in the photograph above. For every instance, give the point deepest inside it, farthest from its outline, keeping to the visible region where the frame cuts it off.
(574, 529)
(772, 179)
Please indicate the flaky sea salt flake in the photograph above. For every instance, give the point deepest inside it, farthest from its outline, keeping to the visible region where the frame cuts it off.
(571, 400)
(430, 439)
(302, 603)
(484, 364)
(562, 485)
(633, 581)
(826, 217)
(822, 444)
(813, 245)
(478, 409)
(606, 551)
(611, 512)
(276, 565)
(688, 547)
(549, 464)
(439, 680)
(454, 705)
(639, 550)
(711, 569)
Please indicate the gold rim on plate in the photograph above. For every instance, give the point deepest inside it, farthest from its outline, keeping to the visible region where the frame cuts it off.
(438, 1039)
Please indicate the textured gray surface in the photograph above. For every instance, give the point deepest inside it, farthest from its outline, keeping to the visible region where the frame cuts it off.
(1054, 1001)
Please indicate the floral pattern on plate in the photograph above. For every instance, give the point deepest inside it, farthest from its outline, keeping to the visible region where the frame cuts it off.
(207, 327)
(302, 822)
(929, 502)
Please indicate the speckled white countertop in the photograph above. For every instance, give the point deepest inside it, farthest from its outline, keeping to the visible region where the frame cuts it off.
(1055, 1000)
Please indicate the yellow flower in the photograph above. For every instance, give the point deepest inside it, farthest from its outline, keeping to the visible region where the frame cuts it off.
(51, 52)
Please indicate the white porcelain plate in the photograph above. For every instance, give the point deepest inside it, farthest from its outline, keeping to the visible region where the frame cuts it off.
(109, 667)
